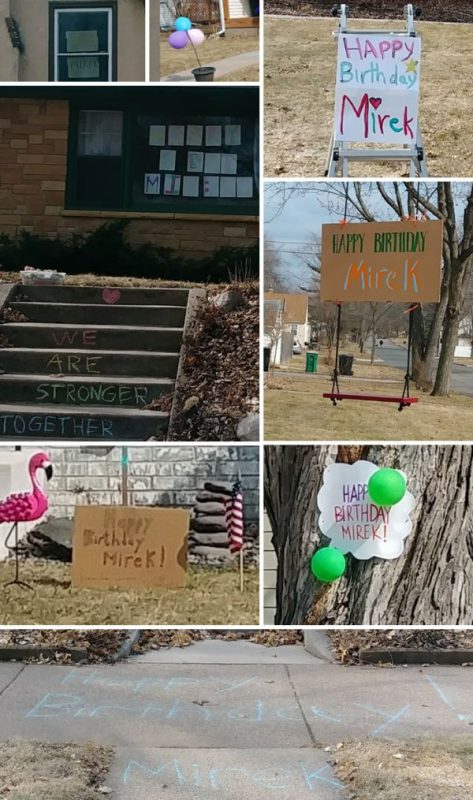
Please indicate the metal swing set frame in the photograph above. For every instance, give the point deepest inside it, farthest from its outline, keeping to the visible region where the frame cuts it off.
(405, 401)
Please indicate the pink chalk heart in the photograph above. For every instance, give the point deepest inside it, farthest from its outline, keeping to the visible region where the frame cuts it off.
(111, 296)
(375, 102)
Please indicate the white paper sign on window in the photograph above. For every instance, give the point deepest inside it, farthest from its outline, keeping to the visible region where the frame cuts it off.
(352, 522)
(377, 88)
(82, 41)
(83, 67)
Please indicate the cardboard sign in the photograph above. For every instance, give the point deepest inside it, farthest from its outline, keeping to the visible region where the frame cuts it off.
(377, 88)
(129, 547)
(352, 522)
(382, 261)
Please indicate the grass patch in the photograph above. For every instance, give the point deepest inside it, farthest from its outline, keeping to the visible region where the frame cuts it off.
(300, 65)
(247, 75)
(440, 769)
(295, 409)
(212, 597)
(212, 50)
(38, 771)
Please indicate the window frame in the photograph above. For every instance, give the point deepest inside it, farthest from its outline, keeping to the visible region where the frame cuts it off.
(242, 207)
(89, 6)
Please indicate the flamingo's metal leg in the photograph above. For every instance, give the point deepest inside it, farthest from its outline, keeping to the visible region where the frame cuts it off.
(16, 581)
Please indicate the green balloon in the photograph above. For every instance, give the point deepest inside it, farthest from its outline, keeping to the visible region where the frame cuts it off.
(386, 487)
(328, 564)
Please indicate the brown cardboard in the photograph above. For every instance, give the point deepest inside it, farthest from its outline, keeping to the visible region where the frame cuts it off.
(129, 547)
(382, 261)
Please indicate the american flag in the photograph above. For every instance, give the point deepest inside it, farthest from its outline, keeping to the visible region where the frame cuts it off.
(234, 518)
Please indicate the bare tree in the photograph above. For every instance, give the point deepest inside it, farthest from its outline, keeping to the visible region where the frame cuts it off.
(374, 201)
(431, 583)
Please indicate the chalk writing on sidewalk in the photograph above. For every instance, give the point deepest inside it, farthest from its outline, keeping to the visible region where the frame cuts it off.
(215, 779)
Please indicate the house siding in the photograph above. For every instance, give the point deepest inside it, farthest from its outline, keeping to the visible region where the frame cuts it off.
(32, 17)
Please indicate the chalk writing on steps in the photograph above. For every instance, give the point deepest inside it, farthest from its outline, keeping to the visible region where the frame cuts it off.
(73, 364)
(52, 425)
(87, 338)
(101, 393)
(176, 772)
(97, 678)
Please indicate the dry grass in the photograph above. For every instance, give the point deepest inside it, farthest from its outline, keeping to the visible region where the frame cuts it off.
(440, 769)
(212, 597)
(247, 75)
(211, 51)
(295, 410)
(300, 64)
(89, 279)
(38, 771)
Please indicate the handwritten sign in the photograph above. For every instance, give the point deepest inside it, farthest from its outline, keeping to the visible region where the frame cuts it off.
(352, 522)
(377, 88)
(382, 261)
(129, 547)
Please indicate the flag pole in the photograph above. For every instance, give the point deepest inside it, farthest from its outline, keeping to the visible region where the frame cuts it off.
(242, 579)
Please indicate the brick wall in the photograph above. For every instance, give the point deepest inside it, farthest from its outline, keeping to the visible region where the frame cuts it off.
(156, 475)
(33, 168)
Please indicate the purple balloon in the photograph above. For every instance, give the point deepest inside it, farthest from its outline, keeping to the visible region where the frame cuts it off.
(178, 40)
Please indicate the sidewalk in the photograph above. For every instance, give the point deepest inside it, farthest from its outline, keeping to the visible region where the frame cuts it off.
(223, 67)
(229, 731)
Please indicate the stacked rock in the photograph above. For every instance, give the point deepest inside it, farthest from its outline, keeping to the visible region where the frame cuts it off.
(208, 536)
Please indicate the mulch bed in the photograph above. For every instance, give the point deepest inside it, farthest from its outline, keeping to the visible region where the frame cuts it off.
(432, 10)
(221, 369)
(102, 644)
(347, 643)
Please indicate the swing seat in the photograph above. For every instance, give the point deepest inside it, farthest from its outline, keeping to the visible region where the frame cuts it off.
(402, 401)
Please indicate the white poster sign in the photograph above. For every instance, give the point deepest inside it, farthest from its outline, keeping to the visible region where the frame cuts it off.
(352, 522)
(377, 88)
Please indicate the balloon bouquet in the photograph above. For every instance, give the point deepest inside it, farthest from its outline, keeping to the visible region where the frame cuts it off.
(386, 487)
(185, 34)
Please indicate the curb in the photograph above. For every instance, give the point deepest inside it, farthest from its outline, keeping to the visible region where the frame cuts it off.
(317, 643)
(19, 653)
(399, 656)
(126, 647)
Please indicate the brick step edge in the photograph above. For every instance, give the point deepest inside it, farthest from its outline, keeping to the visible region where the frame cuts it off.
(416, 656)
(20, 653)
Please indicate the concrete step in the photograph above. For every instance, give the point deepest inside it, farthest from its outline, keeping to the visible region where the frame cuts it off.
(103, 295)
(90, 314)
(52, 362)
(82, 391)
(85, 337)
(28, 423)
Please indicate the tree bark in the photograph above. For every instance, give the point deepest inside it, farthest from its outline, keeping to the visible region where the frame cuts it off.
(430, 584)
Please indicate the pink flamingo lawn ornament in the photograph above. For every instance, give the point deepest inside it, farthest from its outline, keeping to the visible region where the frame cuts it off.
(25, 507)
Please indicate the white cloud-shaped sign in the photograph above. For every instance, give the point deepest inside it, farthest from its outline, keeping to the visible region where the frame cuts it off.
(355, 524)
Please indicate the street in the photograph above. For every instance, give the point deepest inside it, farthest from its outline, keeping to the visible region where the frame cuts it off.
(395, 356)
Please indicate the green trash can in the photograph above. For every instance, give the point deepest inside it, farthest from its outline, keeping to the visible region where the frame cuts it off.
(311, 361)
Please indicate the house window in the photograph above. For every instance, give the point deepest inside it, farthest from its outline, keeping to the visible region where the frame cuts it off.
(99, 161)
(135, 159)
(83, 42)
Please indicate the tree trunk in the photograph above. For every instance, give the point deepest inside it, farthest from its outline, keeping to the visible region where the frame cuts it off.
(430, 584)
